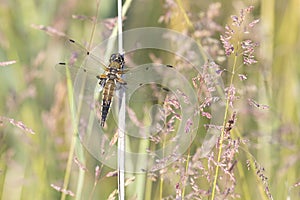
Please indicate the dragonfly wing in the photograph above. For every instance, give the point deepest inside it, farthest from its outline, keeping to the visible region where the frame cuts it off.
(82, 63)
(76, 72)
(147, 83)
(95, 55)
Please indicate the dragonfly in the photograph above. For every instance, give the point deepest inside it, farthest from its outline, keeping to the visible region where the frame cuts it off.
(109, 80)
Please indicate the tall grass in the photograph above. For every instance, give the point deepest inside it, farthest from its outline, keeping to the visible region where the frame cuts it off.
(255, 157)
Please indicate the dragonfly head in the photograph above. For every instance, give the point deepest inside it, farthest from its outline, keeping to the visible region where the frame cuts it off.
(117, 57)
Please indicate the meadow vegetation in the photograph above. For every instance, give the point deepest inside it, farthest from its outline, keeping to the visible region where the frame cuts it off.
(254, 46)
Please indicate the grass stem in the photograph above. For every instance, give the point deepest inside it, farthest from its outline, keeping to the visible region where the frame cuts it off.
(223, 130)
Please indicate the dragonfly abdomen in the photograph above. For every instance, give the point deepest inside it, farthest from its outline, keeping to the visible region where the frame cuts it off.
(107, 97)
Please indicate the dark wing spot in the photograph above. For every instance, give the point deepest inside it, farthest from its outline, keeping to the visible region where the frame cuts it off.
(166, 89)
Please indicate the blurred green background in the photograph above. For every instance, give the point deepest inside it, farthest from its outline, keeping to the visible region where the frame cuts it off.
(33, 92)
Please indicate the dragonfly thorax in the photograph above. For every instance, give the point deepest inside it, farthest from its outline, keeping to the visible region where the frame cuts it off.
(114, 69)
(112, 76)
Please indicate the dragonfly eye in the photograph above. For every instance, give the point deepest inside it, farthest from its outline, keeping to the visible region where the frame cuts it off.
(116, 58)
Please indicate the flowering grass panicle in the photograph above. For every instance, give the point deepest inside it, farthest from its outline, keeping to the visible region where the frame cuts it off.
(16, 123)
(238, 46)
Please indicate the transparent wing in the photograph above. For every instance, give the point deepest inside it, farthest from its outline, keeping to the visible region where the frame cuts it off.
(82, 63)
(149, 88)
(80, 57)
(79, 73)
(95, 55)
(146, 83)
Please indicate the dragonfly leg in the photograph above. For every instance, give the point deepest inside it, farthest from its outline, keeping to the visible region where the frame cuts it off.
(103, 78)
(123, 71)
(121, 81)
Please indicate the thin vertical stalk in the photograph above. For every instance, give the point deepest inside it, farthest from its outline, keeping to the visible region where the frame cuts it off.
(161, 176)
(80, 150)
(120, 27)
(94, 26)
(75, 120)
(74, 141)
(186, 171)
(223, 130)
(121, 120)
